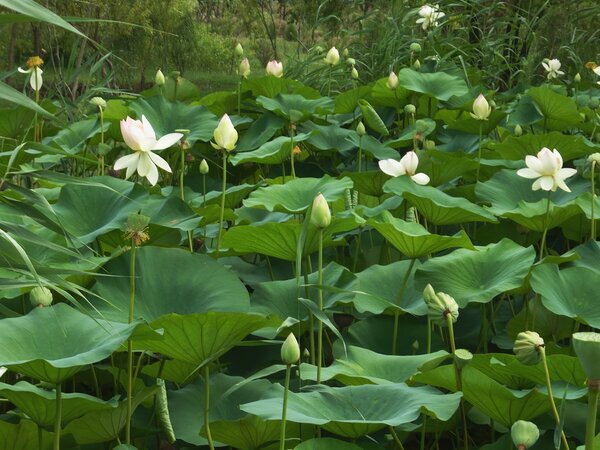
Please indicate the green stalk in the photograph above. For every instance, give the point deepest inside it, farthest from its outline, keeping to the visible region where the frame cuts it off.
(101, 139)
(211, 444)
(593, 233)
(292, 167)
(543, 242)
(450, 324)
(223, 189)
(550, 395)
(58, 418)
(320, 329)
(590, 427)
(239, 95)
(130, 346)
(428, 335)
(284, 411)
(182, 193)
(397, 312)
(479, 152)
(36, 131)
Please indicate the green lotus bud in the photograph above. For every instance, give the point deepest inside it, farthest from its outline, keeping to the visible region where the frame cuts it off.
(203, 167)
(415, 47)
(577, 78)
(429, 144)
(417, 64)
(320, 216)
(587, 349)
(527, 347)
(98, 101)
(415, 345)
(462, 357)
(421, 126)
(440, 308)
(410, 109)
(594, 103)
(159, 78)
(524, 434)
(290, 350)
(429, 294)
(518, 130)
(351, 61)
(239, 50)
(354, 73)
(40, 296)
(360, 129)
(345, 53)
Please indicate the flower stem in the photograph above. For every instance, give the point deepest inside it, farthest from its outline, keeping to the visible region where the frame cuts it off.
(543, 242)
(284, 411)
(182, 194)
(211, 444)
(550, 395)
(223, 189)
(58, 418)
(479, 151)
(239, 95)
(292, 167)
(397, 312)
(590, 428)
(320, 329)
(130, 346)
(593, 231)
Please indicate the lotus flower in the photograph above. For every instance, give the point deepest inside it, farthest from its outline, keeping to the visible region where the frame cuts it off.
(552, 67)
(392, 81)
(429, 16)
(597, 72)
(547, 168)
(275, 68)
(481, 108)
(33, 68)
(141, 138)
(244, 68)
(406, 166)
(332, 57)
(225, 135)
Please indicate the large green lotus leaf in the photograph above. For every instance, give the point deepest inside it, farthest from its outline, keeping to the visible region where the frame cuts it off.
(270, 86)
(166, 117)
(168, 280)
(281, 239)
(297, 195)
(517, 147)
(51, 344)
(372, 146)
(21, 436)
(477, 276)
(369, 183)
(560, 112)
(410, 132)
(73, 138)
(443, 167)
(437, 206)
(295, 107)
(259, 133)
(347, 101)
(329, 137)
(354, 411)
(273, 152)
(233, 196)
(382, 95)
(439, 85)
(326, 444)
(570, 292)
(413, 240)
(462, 121)
(361, 366)
(40, 404)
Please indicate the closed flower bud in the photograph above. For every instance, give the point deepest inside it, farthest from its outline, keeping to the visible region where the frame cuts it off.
(392, 81)
(577, 78)
(345, 53)
(462, 357)
(275, 68)
(429, 294)
(244, 68)
(203, 167)
(415, 47)
(40, 296)
(417, 64)
(332, 57)
(159, 78)
(415, 345)
(98, 101)
(410, 109)
(527, 347)
(518, 130)
(239, 50)
(290, 350)
(440, 306)
(587, 349)
(524, 434)
(481, 108)
(320, 216)
(360, 129)
(429, 144)
(225, 135)
(351, 61)
(594, 103)
(354, 73)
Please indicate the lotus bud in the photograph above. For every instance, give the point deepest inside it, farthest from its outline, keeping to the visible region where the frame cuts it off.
(415, 47)
(429, 144)
(429, 294)
(415, 345)
(225, 135)
(99, 102)
(392, 81)
(524, 434)
(345, 53)
(203, 167)
(417, 64)
(354, 73)
(518, 130)
(351, 61)
(421, 126)
(159, 78)
(360, 129)
(320, 216)
(462, 357)
(577, 78)
(440, 306)
(239, 50)
(306, 354)
(587, 349)
(527, 347)
(275, 68)
(290, 350)
(594, 103)
(481, 108)
(244, 68)
(332, 57)
(40, 296)
(410, 109)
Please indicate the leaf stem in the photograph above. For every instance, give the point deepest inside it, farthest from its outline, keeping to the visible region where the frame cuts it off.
(590, 428)
(284, 411)
(398, 300)
(479, 151)
(222, 215)
(320, 329)
(130, 345)
(211, 444)
(551, 396)
(593, 230)
(547, 216)
(58, 418)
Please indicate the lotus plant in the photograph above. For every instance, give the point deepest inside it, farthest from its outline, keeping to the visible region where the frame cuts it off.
(141, 138)
(481, 111)
(35, 81)
(406, 166)
(392, 81)
(275, 68)
(332, 57)
(290, 354)
(587, 349)
(552, 67)
(430, 15)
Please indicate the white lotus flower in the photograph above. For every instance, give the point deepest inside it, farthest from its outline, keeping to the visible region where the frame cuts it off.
(552, 67)
(141, 138)
(225, 135)
(597, 72)
(332, 57)
(547, 168)
(429, 16)
(275, 68)
(481, 108)
(406, 166)
(244, 68)
(392, 81)
(33, 68)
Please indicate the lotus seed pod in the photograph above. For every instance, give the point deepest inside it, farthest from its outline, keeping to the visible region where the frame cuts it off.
(594, 157)
(577, 78)
(415, 47)
(320, 216)
(417, 64)
(527, 347)
(410, 109)
(239, 50)
(290, 350)
(360, 129)
(462, 357)
(159, 78)
(98, 101)
(351, 61)
(40, 296)
(518, 130)
(587, 349)
(524, 434)
(354, 73)
(594, 103)
(429, 144)
(203, 167)
(421, 126)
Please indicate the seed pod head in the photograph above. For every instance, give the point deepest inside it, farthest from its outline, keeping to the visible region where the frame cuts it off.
(524, 434)
(421, 126)
(239, 50)
(203, 167)
(410, 109)
(159, 78)
(40, 296)
(360, 129)
(587, 349)
(441, 307)
(290, 350)
(99, 102)
(136, 228)
(320, 216)
(594, 103)
(462, 357)
(518, 130)
(527, 347)
(351, 61)
(415, 47)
